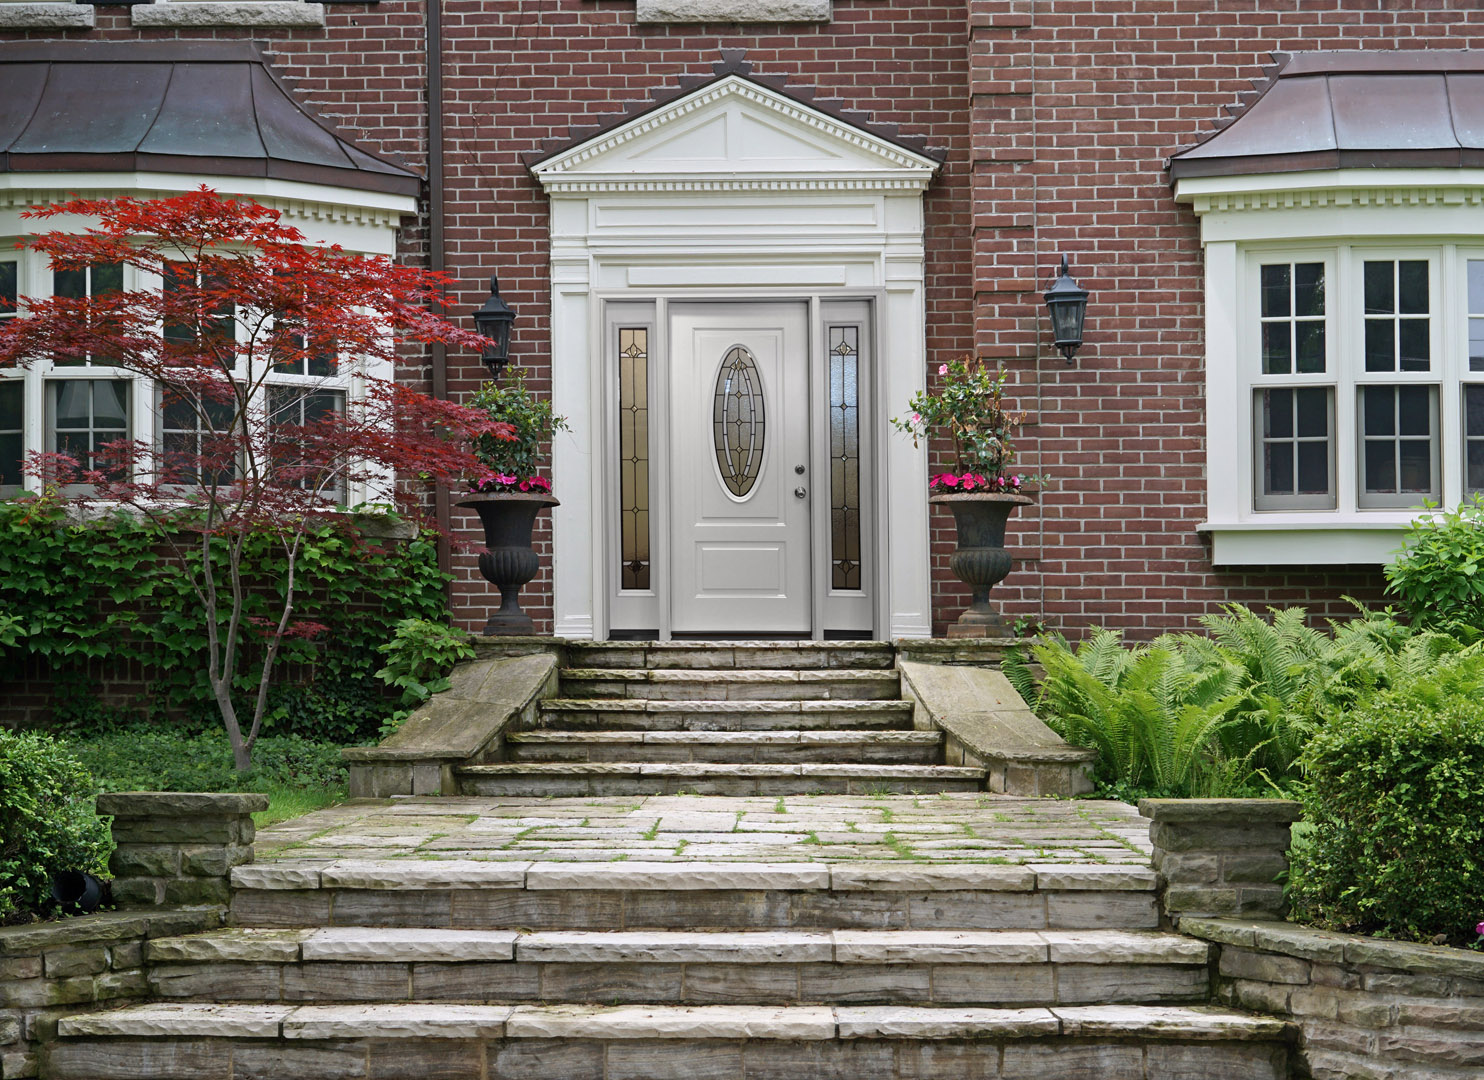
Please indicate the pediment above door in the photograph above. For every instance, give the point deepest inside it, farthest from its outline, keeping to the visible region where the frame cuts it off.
(736, 131)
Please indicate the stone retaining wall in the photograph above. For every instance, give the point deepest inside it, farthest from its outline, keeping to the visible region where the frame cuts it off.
(50, 970)
(1366, 1009)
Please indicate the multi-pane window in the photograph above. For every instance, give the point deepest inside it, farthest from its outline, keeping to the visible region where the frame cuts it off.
(84, 415)
(1397, 315)
(217, 321)
(196, 440)
(1398, 462)
(87, 282)
(1295, 447)
(1294, 423)
(12, 431)
(291, 407)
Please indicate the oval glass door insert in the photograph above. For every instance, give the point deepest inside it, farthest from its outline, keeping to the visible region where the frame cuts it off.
(739, 423)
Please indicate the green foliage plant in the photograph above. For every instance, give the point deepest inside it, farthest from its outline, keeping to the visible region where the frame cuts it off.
(514, 464)
(47, 823)
(1395, 790)
(969, 409)
(1438, 574)
(419, 658)
(103, 591)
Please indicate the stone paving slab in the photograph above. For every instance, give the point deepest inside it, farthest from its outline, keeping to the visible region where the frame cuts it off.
(1089, 844)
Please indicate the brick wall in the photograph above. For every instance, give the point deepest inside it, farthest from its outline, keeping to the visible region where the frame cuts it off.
(1058, 117)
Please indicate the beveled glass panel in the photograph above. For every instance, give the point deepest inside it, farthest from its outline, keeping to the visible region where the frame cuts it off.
(1308, 289)
(845, 458)
(1275, 291)
(1380, 288)
(1380, 345)
(1277, 348)
(633, 457)
(1310, 347)
(739, 426)
(1412, 290)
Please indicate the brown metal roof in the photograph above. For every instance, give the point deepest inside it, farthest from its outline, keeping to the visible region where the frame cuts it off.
(734, 62)
(1351, 109)
(210, 107)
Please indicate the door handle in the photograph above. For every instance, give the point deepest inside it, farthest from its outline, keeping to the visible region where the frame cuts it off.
(799, 493)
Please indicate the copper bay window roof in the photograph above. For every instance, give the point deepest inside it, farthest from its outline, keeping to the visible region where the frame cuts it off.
(210, 107)
(1351, 109)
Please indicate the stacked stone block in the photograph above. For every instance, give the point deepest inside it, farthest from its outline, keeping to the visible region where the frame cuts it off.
(60, 969)
(1220, 857)
(178, 848)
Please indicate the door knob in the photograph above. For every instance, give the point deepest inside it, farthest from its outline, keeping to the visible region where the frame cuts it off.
(799, 469)
(799, 493)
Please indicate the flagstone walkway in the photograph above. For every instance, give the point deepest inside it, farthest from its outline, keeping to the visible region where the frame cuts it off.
(972, 827)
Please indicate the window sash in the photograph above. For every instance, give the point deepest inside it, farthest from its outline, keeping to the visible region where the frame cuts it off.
(1388, 445)
(1286, 447)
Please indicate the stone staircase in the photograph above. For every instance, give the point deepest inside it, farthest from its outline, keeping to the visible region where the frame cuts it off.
(627, 958)
(774, 718)
(609, 970)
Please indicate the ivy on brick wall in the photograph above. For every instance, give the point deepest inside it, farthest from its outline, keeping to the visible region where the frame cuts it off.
(104, 591)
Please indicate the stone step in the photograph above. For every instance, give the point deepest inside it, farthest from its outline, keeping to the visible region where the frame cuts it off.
(901, 967)
(729, 747)
(750, 684)
(682, 894)
(666, 1042)
(538, 780)
(712, 655)
(632, 714)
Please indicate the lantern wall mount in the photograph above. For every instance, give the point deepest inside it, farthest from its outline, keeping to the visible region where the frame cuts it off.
(494, 320)
(1067, 303)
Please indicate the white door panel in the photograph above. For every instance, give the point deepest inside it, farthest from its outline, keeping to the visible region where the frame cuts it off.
(740, 444)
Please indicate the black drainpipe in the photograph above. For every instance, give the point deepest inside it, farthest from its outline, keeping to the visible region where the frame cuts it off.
(434, 51)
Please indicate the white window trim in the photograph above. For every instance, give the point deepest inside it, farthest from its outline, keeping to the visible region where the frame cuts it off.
(1392, 213)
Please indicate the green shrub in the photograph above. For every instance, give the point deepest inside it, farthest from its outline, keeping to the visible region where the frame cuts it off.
(47, 822)
(418, 661)
(1395, 801)
(107, 591)
(167, 759)
(346, 711)
(1439, 573)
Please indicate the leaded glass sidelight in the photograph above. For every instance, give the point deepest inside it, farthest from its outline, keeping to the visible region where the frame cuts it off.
(633, 455)
(739, 421)
(845, 458)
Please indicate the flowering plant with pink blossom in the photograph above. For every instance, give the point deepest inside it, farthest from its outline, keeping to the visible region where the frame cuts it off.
(968, 407)
(510, 465)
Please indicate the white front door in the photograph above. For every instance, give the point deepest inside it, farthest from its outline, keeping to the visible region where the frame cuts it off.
(740, 483)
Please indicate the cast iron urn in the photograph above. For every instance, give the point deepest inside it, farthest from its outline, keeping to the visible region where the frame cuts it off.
(981, 561)
(508, 560)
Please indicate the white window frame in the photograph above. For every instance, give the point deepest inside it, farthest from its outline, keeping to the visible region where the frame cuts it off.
(1352, 214)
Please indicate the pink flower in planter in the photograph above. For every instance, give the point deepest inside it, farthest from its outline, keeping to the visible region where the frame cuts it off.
(948, 480)
(969, 484)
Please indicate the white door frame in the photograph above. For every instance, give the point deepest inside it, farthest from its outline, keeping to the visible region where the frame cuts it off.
(678, 205)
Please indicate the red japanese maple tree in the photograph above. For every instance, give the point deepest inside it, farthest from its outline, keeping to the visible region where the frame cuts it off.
(234, 300)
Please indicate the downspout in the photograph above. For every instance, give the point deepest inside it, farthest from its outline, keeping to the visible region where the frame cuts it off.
(436, 260)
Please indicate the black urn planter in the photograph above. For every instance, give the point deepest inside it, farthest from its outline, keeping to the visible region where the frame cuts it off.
(508, 560)
(981, 561)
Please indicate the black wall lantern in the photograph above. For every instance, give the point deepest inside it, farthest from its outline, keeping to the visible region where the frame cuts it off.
(1067, 302)
(493, 320)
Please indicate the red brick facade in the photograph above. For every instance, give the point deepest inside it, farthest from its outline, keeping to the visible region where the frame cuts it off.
(1058, 119)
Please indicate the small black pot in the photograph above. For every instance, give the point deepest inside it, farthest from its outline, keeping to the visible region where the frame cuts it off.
(981, 561)
(509, 560)
(77, 891)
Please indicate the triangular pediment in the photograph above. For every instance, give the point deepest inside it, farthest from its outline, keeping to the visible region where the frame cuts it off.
(733, 130)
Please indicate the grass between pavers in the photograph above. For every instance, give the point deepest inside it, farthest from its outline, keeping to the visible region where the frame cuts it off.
(298, 775)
